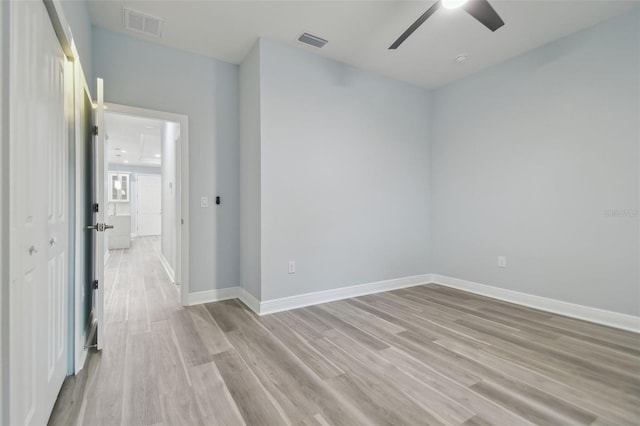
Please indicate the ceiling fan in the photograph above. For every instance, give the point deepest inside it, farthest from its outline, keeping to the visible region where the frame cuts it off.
(479, 9)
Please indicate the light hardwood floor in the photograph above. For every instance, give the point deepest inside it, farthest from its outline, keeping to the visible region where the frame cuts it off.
(423, 355)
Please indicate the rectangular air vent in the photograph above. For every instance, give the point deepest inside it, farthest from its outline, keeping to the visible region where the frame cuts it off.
(142, 23)
(312, 40)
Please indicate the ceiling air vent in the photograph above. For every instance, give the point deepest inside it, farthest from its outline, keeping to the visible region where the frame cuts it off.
(142, 23)
(312, 40)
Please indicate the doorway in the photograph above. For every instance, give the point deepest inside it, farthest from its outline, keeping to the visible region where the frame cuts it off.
(147, 195)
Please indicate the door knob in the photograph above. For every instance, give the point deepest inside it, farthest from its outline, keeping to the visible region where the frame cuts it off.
(52, 241)
(32, 250)
(100, 227)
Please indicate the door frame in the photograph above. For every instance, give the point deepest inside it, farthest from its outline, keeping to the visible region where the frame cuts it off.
(181, 272)
(4, 225)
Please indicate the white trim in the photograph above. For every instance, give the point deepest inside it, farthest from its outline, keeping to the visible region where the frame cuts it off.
(61, 28)
(598, 316)
(250, 300)
(4, 235)
(181, 271)
(81, 350)
(315, 298)
(586, 313)
(134, 235)
(167, 267)
(107, 254)
(213, 295)
(82, 358)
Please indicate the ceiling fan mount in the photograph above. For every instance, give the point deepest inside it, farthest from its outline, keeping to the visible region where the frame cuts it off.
(481, 10)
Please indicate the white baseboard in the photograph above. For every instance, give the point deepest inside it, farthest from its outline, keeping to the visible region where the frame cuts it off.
(82, 360)
(249, 300)
(307, 299)
(167, 267)
(595, 315)
(599, 316)
(200, 297)
(225, 294)
(315, 298)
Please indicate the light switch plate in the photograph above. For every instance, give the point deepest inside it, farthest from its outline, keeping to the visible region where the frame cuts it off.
(204, 202)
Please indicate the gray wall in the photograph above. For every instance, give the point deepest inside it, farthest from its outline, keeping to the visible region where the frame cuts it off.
(147, 75)
(529, 175)
(250, 197)
(532, 158)
(345, 173)
(77, 15)
(170, 133)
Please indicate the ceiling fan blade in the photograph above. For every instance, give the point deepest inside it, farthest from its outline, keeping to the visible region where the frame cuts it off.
(484, 12)
(415, 25)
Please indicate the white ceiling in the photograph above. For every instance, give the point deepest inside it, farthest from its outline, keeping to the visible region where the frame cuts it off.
(133, 140)
(360, 31)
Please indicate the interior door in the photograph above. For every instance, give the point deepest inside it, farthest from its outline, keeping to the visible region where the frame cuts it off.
(84, 216)
(98, 206)
(38, 215)
(149, 205)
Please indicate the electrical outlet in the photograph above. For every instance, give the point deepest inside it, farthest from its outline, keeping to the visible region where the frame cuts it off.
(502, 261)
(204, 202)
(292, 267)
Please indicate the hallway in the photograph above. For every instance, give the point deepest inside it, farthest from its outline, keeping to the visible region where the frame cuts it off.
(141, 376)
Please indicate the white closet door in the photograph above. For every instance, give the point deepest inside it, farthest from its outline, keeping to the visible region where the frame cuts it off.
(149, 205)
(39, 225)
(56, 142)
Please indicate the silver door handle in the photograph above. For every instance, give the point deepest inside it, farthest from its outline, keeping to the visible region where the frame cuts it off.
(32, 250)
(52, 241)
(100, 227)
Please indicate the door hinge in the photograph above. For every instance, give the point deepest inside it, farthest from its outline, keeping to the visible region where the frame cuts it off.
(182, 221)
(95, 130)
(96, 208)
(95, 284)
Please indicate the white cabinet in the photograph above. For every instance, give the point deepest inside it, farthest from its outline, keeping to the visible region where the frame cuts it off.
(119, 186)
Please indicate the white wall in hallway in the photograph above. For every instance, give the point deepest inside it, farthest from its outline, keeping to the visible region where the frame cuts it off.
(250, 195)
(170, 133)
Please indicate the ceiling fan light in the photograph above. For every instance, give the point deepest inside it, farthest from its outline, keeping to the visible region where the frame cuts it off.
(453, 4)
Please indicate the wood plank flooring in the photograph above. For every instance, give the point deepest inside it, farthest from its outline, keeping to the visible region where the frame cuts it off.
(422, 355)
